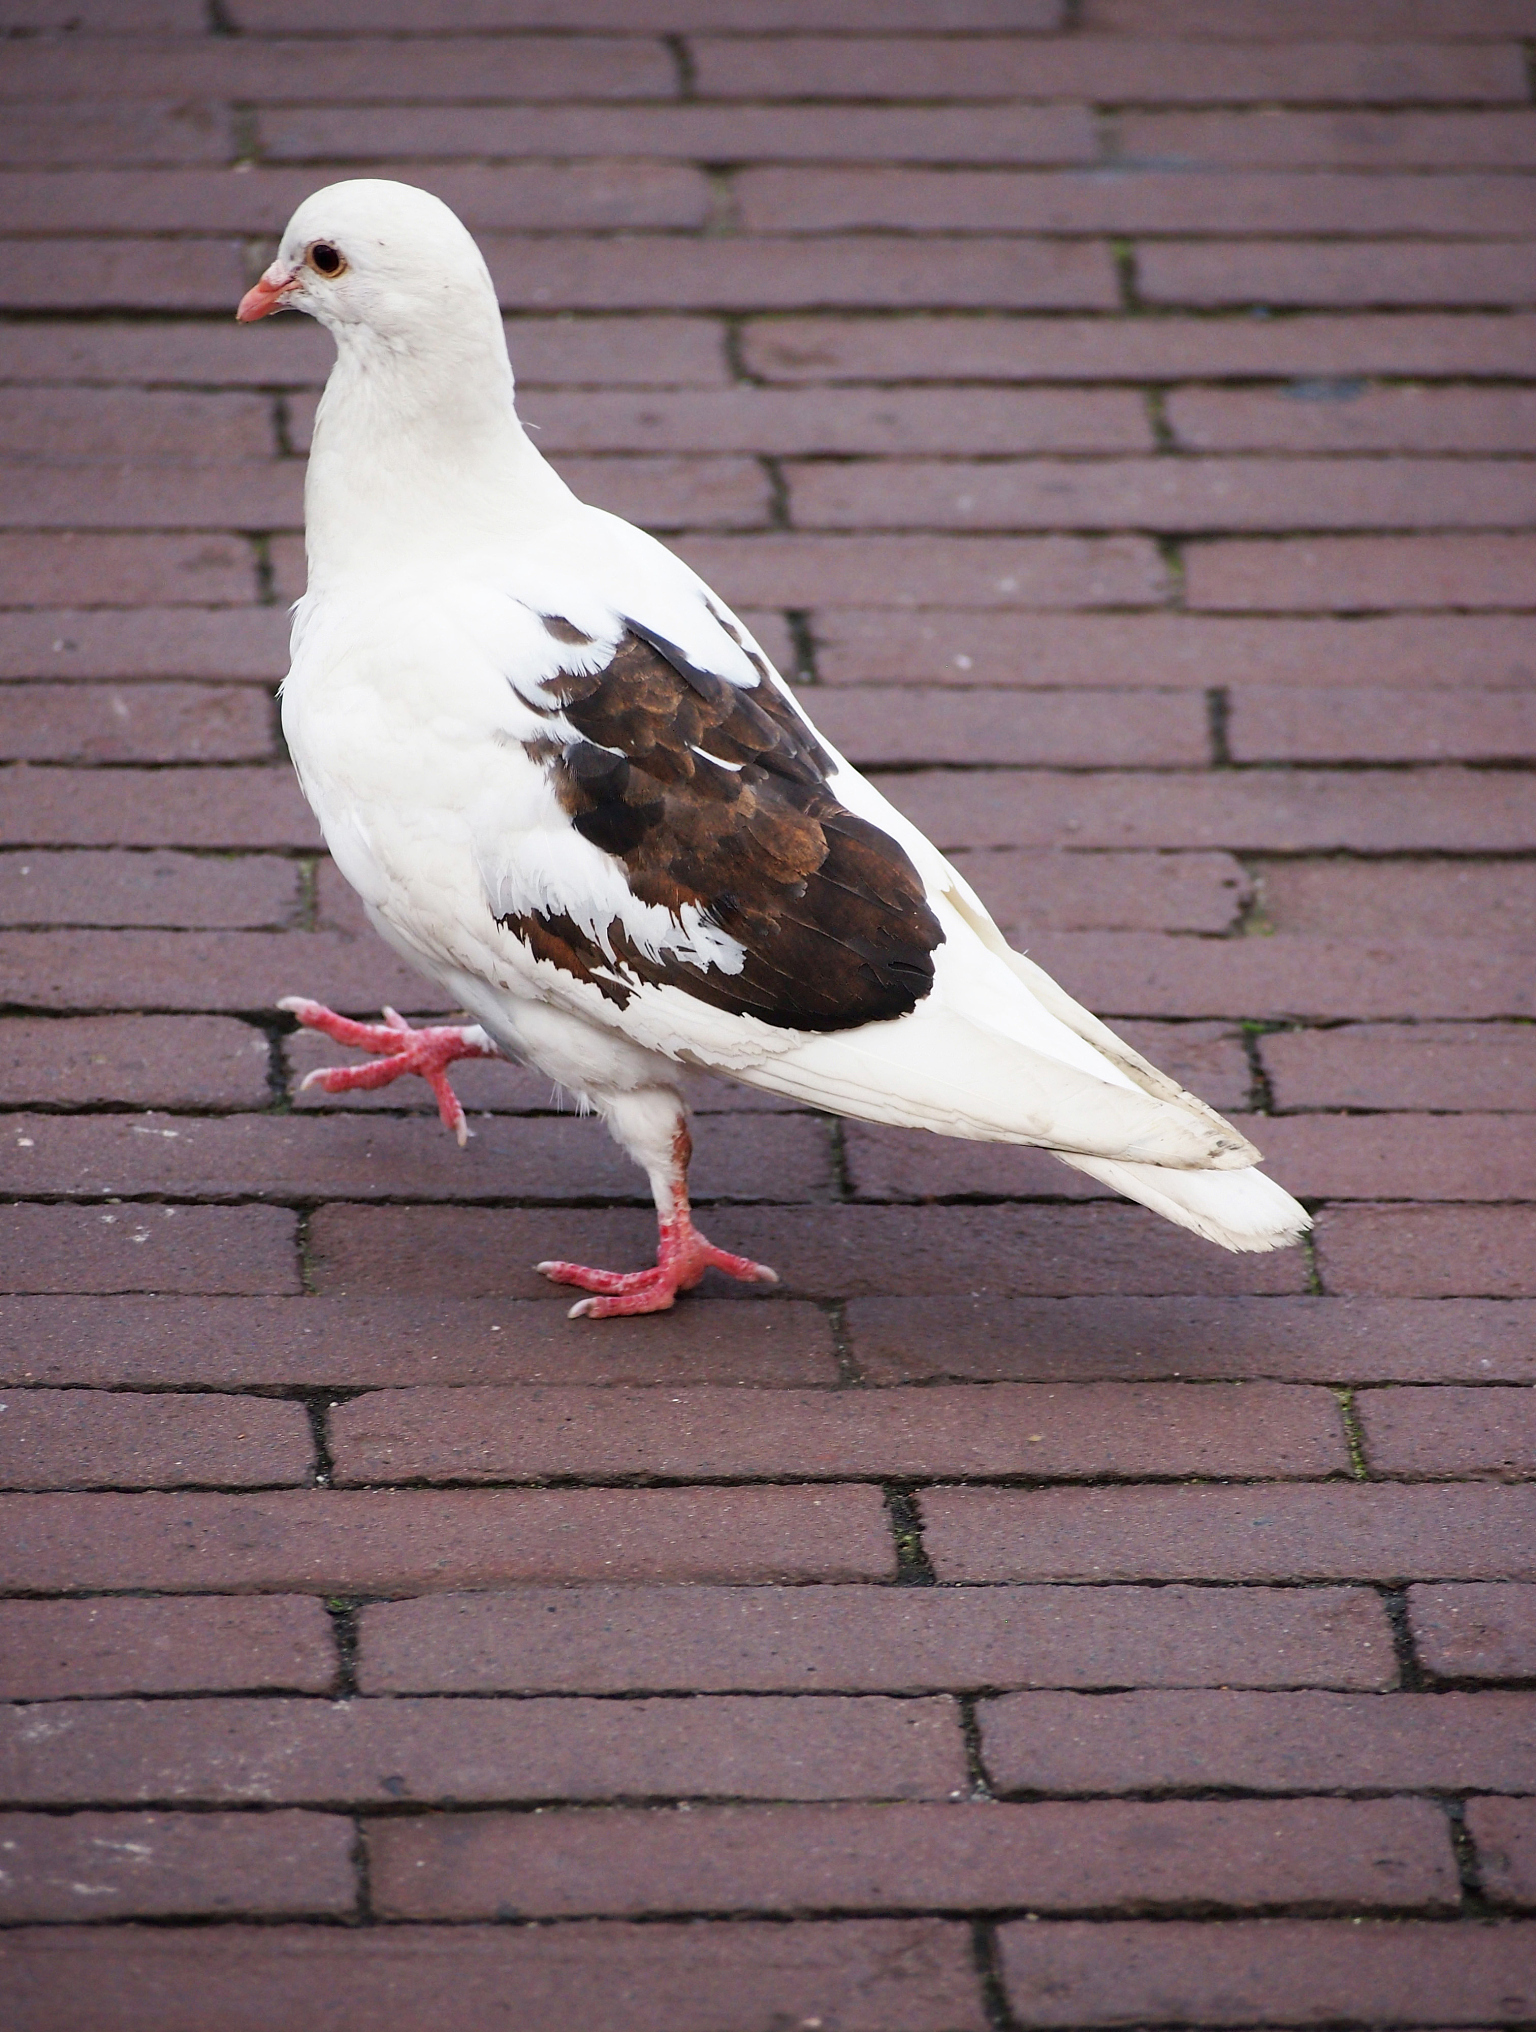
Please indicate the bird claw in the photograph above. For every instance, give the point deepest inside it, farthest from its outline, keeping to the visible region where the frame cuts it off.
(682, 1257)
(398, 1049)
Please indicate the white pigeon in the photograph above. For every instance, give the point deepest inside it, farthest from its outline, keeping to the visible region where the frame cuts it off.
(571, 790)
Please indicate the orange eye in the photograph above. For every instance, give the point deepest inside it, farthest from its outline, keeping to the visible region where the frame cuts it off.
(325, 259)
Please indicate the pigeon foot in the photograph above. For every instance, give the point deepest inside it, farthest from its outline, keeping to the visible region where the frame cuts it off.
(682, 1257)
(398, 1049)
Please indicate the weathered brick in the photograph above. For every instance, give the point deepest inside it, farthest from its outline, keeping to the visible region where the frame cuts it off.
(81, 498)
(370, 1343)
(148, 1248)
(1140, 198)
(1339, 1532)
(1059, 1857)
(80, 274)
(1101, 68)
(68, 970)
(1290, 1972)
(877, 1975)
(1272, 139)
(861, 1640)
(1460, 1157)
(209, 1644)
(666, 493)
(1429, 1252)
(959, 647)
(363, 1157)
(1422, 1065)
(1396, 899)
(1098, 1429)
(241, 807)
(1258, 1742)
(1271, 724)
(899, 1340)
(210, 642)
(118, 571)
(80, 1439)
(54, 426)
(399, 1541)
(1448, 1431)
(136, 723)
(104, 17)
(140, 1865)
(1111, 892)
(1135, 729)
(1209, 273)
(1343, 415)
(1504, 1831)
(1360, 572)
(147, 1061)
(939, 348)
(824, 1251)
(145, 131)
(1483, 1631)
(636, 16)
(1366, 20)
(163, 889)
(379, 1752)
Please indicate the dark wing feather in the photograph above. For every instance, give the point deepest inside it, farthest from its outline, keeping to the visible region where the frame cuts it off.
(829, 909)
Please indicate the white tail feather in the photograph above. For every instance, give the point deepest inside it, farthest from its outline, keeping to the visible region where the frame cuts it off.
(1240, 1210)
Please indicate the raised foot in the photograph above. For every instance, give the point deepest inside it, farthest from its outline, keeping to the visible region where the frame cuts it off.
(398, 1049)
(682, 1257)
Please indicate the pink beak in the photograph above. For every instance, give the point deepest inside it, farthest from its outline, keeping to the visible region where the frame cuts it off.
(266, 297)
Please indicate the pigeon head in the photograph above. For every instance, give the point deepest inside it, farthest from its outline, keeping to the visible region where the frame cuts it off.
(377, 256)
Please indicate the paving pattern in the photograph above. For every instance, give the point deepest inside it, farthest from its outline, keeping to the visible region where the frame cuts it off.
(1118, 416)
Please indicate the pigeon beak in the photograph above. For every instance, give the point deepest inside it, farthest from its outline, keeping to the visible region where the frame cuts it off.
(268, 295)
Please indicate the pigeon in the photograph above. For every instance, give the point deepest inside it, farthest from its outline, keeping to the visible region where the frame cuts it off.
(572, 791)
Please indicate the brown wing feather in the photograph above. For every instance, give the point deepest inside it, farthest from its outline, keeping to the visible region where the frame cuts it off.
(830, 911)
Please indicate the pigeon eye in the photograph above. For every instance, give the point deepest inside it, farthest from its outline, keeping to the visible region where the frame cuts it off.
(325, 259)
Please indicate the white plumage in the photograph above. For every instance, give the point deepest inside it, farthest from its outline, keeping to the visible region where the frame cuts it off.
(616, 888)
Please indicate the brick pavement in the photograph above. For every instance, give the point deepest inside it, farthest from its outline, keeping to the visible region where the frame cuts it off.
(1118, 415)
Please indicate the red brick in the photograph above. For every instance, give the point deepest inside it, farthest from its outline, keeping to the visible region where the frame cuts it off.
(1272, 139)
(246, 970)
(1349, 416)
(401, 1541)
(1278, 725)
(914, 571)
(326, 1343)
(1451, 810)
(751, 418)
(1059, 1857)
(1289, 1971)
(901, 1340)
(142, 808)
(191, 1249)
(141, 1865)
(1101, 68)
(215, 1644)
(1415, 899)
(1138, 199)
(309, 17)
(88, 275)
(231, 643)
(1448, 1431)
(1429, 1252)
(56, 426)
(939, 348)
(1334, 272)
(876, 728)
(107, 132)
(1423, 1065)
(189, 891)
(1504, 1832)
(1258, 1742)
(45, 570)
(1450, 20)
(382, 1752)
(104, 17)
(136, 723)
(822, 1251)
(82, 498)
(1109, 892)
(1162, 494)
(860, 1640)
(695, 133)
(1476, 1632)
(1362, 572)
(877, 1975)
(1336, 1532)
(80, 1439)
(674, 493)
(1047, 1433)
(953, 646)
(147, 1061)
(1459, 1157)
(363, 1157)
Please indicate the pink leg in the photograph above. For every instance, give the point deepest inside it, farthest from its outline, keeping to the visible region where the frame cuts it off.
(682, 1257)
(398, 1050)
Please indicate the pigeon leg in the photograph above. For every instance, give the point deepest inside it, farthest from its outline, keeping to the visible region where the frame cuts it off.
(398, 1049)
(682, 1253)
